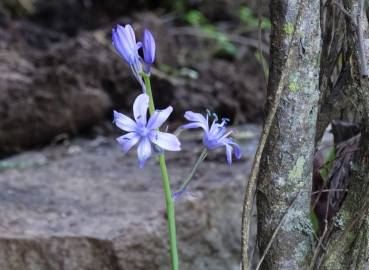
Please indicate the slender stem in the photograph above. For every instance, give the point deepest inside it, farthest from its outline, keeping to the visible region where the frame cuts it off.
(167, 192)
(170, 213)
(193, 170)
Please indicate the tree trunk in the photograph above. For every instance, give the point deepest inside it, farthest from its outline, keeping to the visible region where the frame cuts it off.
(348, 245)
(284, 184)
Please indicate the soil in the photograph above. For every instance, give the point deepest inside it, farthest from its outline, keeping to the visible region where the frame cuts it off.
(59, 75)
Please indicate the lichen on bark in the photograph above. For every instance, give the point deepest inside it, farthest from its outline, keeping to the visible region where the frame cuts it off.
(286, 164)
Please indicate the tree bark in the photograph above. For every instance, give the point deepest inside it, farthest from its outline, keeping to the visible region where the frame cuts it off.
(348, 244)
(331, 98)
(284, 184)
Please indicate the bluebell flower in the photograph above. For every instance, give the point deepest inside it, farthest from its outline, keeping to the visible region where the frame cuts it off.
(145, 132)
(124, 41)
(148, 47)
(214, 136)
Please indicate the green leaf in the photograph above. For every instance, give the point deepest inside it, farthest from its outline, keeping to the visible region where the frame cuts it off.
(250, 21)
(196, 18)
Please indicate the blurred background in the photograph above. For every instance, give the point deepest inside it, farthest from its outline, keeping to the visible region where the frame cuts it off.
(60, 77)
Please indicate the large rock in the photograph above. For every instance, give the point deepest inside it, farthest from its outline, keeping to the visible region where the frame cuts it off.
(42, 94)
(52, 84)
(85, 206)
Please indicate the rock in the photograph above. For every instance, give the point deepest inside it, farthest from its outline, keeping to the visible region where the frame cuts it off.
(41, 98)
(53, 84)
(94, 209)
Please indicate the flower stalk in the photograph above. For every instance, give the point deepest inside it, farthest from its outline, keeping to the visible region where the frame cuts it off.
(186, 182)
(166, 185)
(146, 134)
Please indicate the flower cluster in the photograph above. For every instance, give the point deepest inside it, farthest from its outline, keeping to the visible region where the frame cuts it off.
(145, 132)
(124, 41)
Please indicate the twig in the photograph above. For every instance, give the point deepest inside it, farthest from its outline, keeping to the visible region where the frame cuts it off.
(262, 59)
(343, 10)
(320, 243)
(250, 187)
(361, 49)
(277, 230)
(329, 190)
(189, 178)
(332, 31)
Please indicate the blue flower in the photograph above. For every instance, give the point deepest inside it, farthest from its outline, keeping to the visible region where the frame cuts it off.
(214, 136)
(145, 132)
(148, 47)
(124, 41)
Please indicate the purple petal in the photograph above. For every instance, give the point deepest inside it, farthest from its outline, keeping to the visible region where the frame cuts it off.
(130, 34)
(140, 107)
(127, 141)
(124, 41)
(165, 140)
(193, 125)
(143, 151)
(118, 44)
(199, 118)
(236, 148)
(237, 151)
(148, 47)
(229, 154)
(159, 117)
(217, 130)
(124, 122)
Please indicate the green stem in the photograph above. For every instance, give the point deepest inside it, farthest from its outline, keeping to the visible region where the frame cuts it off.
(149, 93)
(193, 170)
(167, 192)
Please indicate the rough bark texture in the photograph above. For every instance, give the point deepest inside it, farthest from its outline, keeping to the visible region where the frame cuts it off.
(348, 244)
(333, 25)
(286, 165)
(338, 96)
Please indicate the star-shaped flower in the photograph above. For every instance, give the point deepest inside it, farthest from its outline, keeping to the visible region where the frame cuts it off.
(145, 132)
(214, 136)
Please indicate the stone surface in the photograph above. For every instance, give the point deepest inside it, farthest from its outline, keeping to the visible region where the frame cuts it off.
(42, 94)
(84, 206)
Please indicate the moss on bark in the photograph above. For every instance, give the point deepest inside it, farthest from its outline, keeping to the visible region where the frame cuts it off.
(286, 164)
